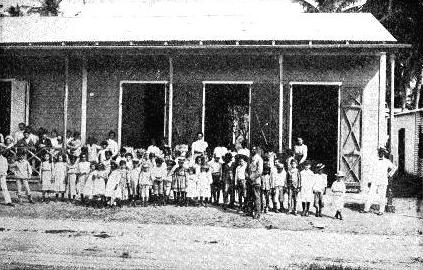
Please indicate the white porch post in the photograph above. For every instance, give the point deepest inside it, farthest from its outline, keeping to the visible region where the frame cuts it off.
(391, 108)
(382, 100)
(203, 110)
(65, 100)
(280, 103)
(84, 90)
(170, 102)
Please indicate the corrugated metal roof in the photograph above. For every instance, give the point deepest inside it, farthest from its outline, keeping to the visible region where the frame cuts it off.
(337, 27)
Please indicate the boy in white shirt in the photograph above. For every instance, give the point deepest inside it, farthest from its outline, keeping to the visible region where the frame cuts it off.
(216, 172)
(319, 188)
(277, 182)
(23, 171)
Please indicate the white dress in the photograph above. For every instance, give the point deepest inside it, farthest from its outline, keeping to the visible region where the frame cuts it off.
(99, 187)
(338, 189)
(192, 181)
(59, 175)
(83, 170)
(113, 187)
(204, 182)
(308, 179)
(89, 185)
(46, 176)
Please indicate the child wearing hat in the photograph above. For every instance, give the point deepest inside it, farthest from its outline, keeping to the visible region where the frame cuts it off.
(338, 189)
(179, 182)
(23, 171)
(307, 184)
(319, 188)
(158, 175)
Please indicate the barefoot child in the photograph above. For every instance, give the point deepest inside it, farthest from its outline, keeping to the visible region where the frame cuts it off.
(319, 188)
(83, 170)
(145, 183)
(278, 181)
(23, 171)
(72, 173)
(46, 177)
(158, 175)
(59, 176)
(338, 189)
(294, 186)
(265, 187)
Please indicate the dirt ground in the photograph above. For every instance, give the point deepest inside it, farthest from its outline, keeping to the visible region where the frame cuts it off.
(65, 236)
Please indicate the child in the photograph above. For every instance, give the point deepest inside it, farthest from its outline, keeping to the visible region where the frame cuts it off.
(113, 188)
(241, 182)
(228, 180)
(133, 176)
(307, 183)
(192, 181)
(129, 161)
(92, 149)
(167, 183)
(179, 182)
(124, 181)
(319, 189)
(46, 176)
(83, 170)
(89, 183)
(338, 189)
(145, 184)
(4, 166)
(107, 161)
(204, 181)
(265, 186)
(277, 183)
(216, 172)
(158, 175)
(71, 182)
(293, 186)
(102, 152)
(59, 176)
(23, 171)
(100, 178)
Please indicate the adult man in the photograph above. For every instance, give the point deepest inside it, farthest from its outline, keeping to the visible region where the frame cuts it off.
(256, 169)
(384, 169)
(300, 151)
(199, 147)
(3, 173)
(26, 142)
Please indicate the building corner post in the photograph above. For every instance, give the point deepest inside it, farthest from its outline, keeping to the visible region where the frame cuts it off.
(65, 101)
(382, 132)
(170, 125)
(84, 92)
(281, 96)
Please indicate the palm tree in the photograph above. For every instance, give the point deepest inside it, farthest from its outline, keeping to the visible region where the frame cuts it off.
(316, 6)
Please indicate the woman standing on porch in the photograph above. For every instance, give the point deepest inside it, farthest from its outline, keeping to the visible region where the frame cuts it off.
(200, 146)
(300, 151)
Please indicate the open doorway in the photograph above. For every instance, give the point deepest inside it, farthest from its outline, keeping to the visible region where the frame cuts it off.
(227, 111)
(5, 106)
(143, 113)
(315, 119)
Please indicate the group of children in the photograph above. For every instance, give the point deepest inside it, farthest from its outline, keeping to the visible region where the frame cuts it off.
(101, 178)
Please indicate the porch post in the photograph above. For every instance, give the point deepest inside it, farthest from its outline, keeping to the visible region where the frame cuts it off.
(280, 102)
(382, 100)
(203, 110)
(170, 102)
(84, 101)
(391, 108)
(65, 100)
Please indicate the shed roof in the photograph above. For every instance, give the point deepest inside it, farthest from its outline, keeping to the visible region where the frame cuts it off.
(315, 27)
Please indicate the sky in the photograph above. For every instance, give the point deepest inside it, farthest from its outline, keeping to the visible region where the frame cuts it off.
(166, 7)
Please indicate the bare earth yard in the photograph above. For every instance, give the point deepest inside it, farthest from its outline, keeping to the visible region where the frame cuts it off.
(66, 236)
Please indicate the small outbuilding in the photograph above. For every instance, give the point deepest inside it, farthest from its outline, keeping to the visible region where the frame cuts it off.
(407, 142)
(268, 79)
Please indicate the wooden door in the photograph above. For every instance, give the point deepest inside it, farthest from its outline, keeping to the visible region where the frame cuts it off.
(351, 136)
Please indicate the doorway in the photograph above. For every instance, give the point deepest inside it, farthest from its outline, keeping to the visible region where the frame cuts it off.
(401, 150)
(226, 113)
(315, 118)
(5, 106)
(143, 110)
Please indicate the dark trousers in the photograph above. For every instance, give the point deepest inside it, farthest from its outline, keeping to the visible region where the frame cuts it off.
(318, 201)
(228, 191)
(292, 199)
(216, 187)
(256, 192)
(242, 192)
(265, 198)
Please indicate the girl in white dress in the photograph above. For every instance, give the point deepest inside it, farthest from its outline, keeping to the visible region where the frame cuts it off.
(145, 183)
(113, 190)
(204, 181)
(83, 170)
(100, 178)
(89, 183)
(306, 192)
(59, 176)
(46, 176)
(92, 149)
(338, 190)
(192, 181)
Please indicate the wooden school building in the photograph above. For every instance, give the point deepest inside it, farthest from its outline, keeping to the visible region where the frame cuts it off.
(267, 79)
